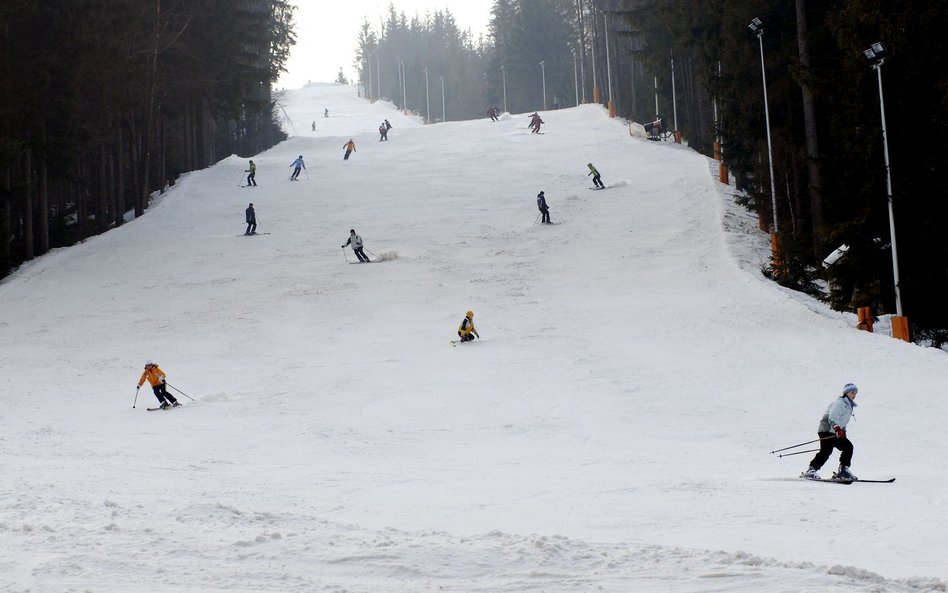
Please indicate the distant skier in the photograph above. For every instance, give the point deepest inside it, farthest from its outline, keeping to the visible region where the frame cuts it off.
(535, 122)
(597, 180)
(383, 132)
(251, 178)
(544, 209)
(350, 147)
(356, 242)
(314, 125)
(251, 220)
(297, 165)
(492, 113)
(156, 377)
(326, 112)
(466, 330)
(832, 433)
(388, 126)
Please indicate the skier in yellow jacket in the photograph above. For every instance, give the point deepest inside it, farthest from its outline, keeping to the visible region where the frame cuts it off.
(156, 377)
(466, 330)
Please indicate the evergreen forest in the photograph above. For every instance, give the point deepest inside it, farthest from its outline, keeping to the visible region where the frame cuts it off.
(104, 102)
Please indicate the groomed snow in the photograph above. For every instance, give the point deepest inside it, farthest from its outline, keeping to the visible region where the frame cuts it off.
(611, 431)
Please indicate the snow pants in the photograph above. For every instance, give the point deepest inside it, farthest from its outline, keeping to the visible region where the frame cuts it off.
(546, 215)
(162, 394)
(251, 179)
(826, 449)
(251, 228)
(597, 181)
(346, 157)
(362, 257)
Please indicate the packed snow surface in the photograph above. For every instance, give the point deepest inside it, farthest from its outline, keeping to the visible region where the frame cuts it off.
(610, 431)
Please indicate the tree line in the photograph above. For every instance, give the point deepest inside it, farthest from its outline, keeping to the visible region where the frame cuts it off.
(104, 102)
(829, 181)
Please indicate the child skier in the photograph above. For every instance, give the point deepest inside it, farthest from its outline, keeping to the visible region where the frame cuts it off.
(544, 209)
(251, 216)
(251, 179)
(350, 147)
(832, 432)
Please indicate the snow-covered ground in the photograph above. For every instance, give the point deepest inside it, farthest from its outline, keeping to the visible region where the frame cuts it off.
(610, 432)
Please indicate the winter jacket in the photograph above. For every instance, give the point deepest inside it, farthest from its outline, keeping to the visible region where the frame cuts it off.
(837, 414)
(592, 171)
(252, 169)
(298, 163)
(541, 202)
(251, 216)
(355, 240)
(467, 327)
(155, 376)
(350, 146)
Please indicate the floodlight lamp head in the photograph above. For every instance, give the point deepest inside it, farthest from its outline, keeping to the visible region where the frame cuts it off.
(756, 26)
(876, 54)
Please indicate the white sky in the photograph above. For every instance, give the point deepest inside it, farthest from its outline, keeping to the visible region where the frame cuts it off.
(327, 31)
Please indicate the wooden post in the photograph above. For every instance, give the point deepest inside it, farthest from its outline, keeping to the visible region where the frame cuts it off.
(900, 328)
(864, 319)
(677, 137)
(717, 150)
(722, 174)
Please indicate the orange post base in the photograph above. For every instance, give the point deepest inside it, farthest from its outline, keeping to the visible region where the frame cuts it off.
(723, 174)
(775, 255)
(900, 328)
(596, 98)
(717, 150)
(677, 137)
(612, 109)
(864, 319)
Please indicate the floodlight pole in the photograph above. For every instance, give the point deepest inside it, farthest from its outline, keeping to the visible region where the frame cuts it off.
(543, 76)
(877, 66)
(575, 75)
(503, 73)
(427, 99)
(444, 116)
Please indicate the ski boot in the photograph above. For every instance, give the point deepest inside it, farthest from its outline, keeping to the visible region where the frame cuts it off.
(810, 474)
(843, 473)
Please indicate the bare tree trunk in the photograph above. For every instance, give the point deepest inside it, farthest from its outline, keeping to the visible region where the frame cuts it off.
(27, 203)
(42, 205)
(120, 173)
(814, 186)
(82, 210)
(145, 190)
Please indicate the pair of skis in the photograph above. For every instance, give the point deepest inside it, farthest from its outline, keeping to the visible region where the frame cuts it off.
(842, 481)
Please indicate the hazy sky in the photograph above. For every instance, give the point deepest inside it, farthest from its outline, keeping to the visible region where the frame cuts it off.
(326, 32)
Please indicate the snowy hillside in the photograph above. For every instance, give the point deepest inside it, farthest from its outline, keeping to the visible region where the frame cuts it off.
(610, 431)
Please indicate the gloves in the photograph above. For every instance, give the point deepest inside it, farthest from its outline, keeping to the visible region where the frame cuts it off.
(840, 432)
(343, 246)
(459, 335)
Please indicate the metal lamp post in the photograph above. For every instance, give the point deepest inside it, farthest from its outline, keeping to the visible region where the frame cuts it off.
(876, 55)
(444, 117)
(575, 75)
(427, 99)
(543, 76)
(503, 74)
(757, 27)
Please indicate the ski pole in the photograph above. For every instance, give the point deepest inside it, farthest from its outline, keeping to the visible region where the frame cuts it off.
(801, 444)
(537, 221)
(344, 253)
(307, 173)
(798, 453)
(136, 396)
(372, 253)
(179, 391)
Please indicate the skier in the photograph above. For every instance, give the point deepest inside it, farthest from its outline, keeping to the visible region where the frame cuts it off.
(466, 330)
(350, 147)
(597, 180)
(156, 377)
(297, 165)
(388, 126)
(326, 112)
(251, 179)
(832, 432)
(383, 132)
(314, 125)
(356, 242)
(544, 209)
(251, 220)
(492, 112)
(535, 122)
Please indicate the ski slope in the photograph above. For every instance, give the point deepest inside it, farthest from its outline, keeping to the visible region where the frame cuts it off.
(610, 432)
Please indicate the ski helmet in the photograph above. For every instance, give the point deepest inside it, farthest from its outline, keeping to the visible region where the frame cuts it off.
(469, 314)
(148, 363)
(850, 388)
